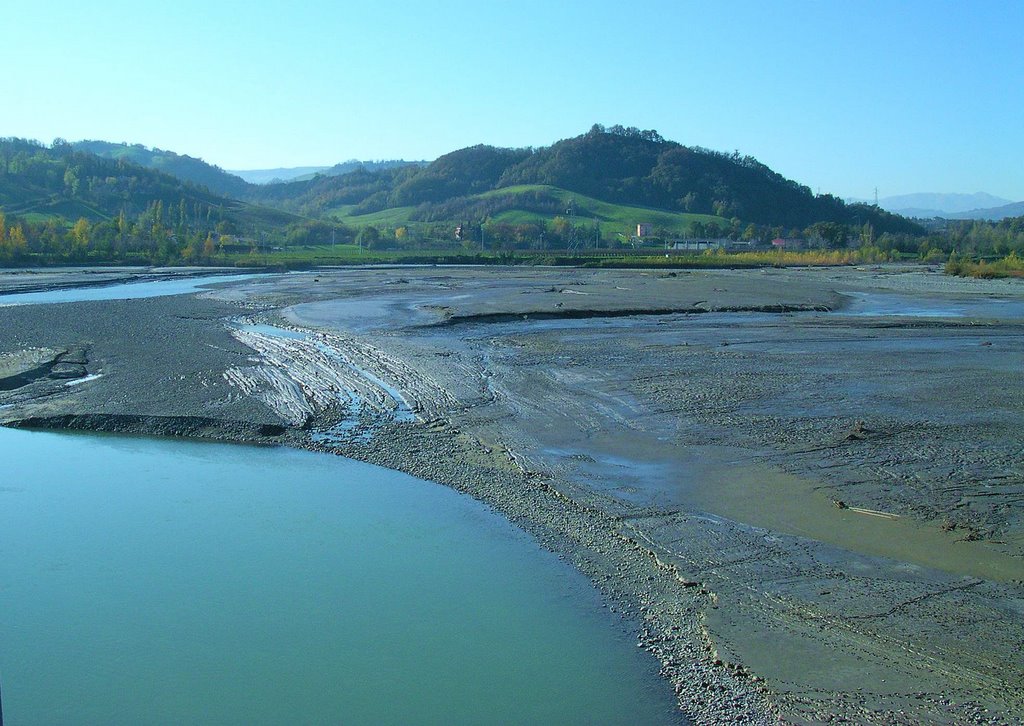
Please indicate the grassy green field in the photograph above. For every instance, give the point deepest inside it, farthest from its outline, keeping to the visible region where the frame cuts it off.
(614, 218)
(397, 217)
(43, 208)
(622, 218)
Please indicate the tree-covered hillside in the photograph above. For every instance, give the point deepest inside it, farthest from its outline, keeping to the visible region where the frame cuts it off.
(64, 204)
(616, 165)
(183, 167)
(639, 167)
(321, 194)
(591, 190)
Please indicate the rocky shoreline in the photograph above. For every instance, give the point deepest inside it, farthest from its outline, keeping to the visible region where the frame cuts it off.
(519, 413)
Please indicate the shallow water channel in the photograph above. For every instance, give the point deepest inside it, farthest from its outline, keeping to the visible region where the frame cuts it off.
(153, 581)
(121, 290)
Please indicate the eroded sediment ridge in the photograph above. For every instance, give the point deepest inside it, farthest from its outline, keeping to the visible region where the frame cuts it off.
(451, 319)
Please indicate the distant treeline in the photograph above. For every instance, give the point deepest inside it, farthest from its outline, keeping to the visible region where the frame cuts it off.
(155, 236)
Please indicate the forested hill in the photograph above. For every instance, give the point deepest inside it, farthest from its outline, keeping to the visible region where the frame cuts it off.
(183, 167)
(635, 170)
(351, 165)
(453, 176)
(71, 205)
(617, 165)
(630, 166)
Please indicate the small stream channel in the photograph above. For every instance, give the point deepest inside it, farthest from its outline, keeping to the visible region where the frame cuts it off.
(122, 290)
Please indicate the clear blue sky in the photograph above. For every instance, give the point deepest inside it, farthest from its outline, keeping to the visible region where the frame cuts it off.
(841, 96)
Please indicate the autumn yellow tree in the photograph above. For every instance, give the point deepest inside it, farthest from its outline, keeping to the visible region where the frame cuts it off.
(80, 235)
(17, 242)
(13, 245)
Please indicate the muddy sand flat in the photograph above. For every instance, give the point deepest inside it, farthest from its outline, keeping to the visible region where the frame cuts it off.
(805, 488)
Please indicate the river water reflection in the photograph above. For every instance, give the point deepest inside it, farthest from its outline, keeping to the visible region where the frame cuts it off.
(149, 581)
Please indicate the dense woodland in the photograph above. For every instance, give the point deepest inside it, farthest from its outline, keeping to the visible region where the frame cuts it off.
(65, 205)
(94, 202)
(179, 166)
(620, 165)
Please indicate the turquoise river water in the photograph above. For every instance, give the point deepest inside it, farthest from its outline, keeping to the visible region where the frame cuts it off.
(151, 581)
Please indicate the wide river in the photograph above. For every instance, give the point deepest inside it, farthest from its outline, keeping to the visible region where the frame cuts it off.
(154, 581)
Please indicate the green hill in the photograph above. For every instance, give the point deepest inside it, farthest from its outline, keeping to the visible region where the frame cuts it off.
(62, 204)
(593, 189)
(183, 167)
(616, 166)
(619, 216)
(62, 182)
(534, 204)
(643, 177)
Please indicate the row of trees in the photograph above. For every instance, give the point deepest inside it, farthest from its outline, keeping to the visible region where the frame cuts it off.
(13, 243)
(157, 236)
(150, 237)
(561, 232)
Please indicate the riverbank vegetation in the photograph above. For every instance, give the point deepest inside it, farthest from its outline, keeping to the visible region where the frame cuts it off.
(1009, 266)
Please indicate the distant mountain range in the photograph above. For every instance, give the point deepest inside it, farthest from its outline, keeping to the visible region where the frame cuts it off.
(305, 173)
(927, 205)
(1015, 209)
(270, 176)
(229, 183)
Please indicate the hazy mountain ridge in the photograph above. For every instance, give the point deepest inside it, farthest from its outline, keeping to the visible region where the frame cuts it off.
(182, 166)
(275, 176)
(928, 205)
(947, 202)
(305, 173)
(1014, 209)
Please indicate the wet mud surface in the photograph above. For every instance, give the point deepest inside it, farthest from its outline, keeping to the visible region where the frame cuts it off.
(803, 488)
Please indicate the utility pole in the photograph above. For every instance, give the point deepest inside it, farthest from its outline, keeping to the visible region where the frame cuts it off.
(574, 242)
